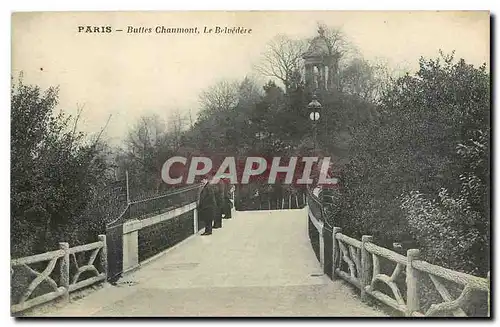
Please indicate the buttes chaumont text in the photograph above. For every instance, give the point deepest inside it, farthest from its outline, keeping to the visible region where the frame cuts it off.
(189, 30)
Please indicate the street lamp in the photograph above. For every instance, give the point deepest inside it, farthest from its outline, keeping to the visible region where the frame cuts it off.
(314, 107)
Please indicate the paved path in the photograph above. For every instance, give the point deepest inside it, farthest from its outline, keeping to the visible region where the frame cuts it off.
(259, 264)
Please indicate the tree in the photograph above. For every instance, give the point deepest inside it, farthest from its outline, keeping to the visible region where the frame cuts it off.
(56, 172)
(144, 140)
(223, 123)
(424, 159)
(220, 97)
(176, 126)
(337, 41)
(147, 146)
(282, 58)
(362, 79)
(249, 93)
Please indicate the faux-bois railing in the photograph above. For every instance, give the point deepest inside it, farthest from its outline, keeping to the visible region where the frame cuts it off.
(359, 263)
(69, 279)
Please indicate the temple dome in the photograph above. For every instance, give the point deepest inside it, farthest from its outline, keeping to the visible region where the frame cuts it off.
(318, 46)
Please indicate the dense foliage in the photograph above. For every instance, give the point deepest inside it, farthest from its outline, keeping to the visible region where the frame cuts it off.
(56, 172)
(420, 169)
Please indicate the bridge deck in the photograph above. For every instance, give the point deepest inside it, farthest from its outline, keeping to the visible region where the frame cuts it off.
(259, 264)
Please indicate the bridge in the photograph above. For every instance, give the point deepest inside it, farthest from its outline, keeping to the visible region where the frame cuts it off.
(286, 262)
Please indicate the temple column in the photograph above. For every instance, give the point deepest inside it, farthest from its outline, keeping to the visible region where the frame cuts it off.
(322, 77)
(309, 75)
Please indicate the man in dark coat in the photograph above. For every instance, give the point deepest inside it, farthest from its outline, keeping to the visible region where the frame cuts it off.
(219, 204)
(207, 206)
(226, 200)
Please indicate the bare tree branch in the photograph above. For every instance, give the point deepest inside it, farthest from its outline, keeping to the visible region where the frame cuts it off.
(282, 57)
(221, 96)
(102, 130)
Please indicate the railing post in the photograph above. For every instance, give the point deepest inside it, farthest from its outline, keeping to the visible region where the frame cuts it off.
(412, 302)
(104, 255)
(489, 285)
(64, 278)
(366, 266)
(328, 257)
(322, 247)
(195, 220)
(335, 250)
(130, 245)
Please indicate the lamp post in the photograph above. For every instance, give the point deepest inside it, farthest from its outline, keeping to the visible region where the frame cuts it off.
(314, 107)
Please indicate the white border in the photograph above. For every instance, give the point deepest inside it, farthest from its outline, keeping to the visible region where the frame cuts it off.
(126, 5)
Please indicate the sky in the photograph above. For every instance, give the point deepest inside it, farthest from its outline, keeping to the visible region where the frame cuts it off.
(130, 75)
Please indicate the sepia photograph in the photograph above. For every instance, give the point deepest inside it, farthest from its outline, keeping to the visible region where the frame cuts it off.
(250, 164)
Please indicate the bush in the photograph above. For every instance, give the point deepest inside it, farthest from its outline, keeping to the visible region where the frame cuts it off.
(418, 171)
(445, 231)
(56, 174)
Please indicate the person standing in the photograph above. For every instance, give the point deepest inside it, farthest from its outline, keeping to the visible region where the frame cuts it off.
(207, 206)
(227, 204)
(219, 204)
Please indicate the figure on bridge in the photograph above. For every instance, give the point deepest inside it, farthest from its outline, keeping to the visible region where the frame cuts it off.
(226, 198)
(219, 199)
(207, 206)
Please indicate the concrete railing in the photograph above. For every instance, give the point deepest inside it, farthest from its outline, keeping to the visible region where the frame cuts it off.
(358, 262)
(131, 230)
(123, 233)
(67, 258)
